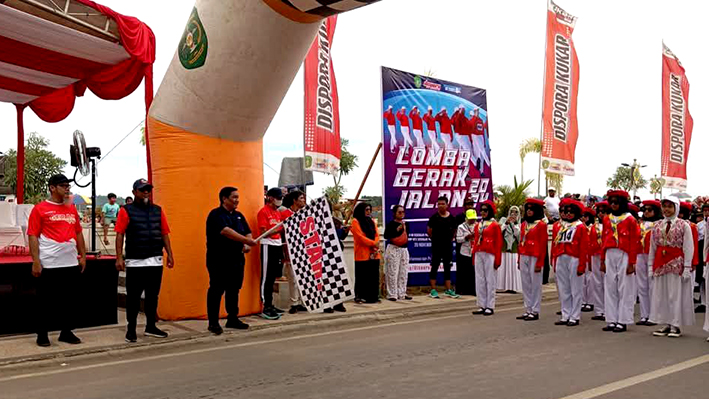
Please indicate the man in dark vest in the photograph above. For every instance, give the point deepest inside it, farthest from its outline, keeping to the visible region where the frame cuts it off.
(146, 233)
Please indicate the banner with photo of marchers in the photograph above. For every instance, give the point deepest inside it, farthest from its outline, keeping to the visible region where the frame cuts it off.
(436, 143)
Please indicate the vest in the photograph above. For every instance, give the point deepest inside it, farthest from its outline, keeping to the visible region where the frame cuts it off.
(144, 232)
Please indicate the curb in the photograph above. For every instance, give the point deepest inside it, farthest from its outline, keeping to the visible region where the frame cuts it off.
(336, 320)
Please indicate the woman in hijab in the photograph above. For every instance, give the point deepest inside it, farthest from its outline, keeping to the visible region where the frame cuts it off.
(367, 254)
(671, 254)
(509, 278)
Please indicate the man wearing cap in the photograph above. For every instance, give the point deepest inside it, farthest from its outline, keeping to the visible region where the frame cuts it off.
(56, 242)
(552, 204)
(621, 237)
(271, 251)
(144, 228)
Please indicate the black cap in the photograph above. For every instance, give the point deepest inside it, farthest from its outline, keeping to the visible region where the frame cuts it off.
(58, 179)
(275, 192)
(141, 184)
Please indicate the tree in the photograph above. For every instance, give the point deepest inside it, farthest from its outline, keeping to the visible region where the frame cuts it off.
(623, 179)
(40, 165)
(142, 135)
(528, 146)
(348, 162)
(511, 196)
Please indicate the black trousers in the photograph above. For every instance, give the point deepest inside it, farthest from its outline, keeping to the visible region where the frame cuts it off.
(465, 275)
(441, 254)
(367, 280)
(58, 298)
(223, 280)
(271, 269)
(700, 267)
(138, 280)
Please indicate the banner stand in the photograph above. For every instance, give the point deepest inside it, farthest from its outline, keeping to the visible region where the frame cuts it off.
(361, 186)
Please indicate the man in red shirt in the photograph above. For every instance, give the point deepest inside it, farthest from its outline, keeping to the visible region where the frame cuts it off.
(391, 126)
(55, 236)
(417, 125)
(431, 129)
(444, 121)
(477, 128)
(144, 227)
(271, 251)
(404, 126)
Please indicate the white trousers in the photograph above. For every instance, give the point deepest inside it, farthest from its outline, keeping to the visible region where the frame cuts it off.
(407, 138)
(485, 280)
(397, 271)
(434, 140)
(643, 271)
(392, 137)
(447, 140)
(463, 142)
(531, 284)
(621, 288)
(597, 286)
(418, 135)
(570, 286)
(479, 150)
(292, 286)
(587, 287)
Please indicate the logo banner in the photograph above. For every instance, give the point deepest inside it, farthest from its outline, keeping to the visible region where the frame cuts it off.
(677, 122)
(322, 115)
(316, 257)
(561, 83)
(436, 143)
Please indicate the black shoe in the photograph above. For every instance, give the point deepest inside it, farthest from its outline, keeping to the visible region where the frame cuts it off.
(131, 336)
(532, 317)
(558, 313)
(675, 332)
(392, 299)
(561, 323)
(43, 340)
(215, 329)
(619, 328)
(662, 332)
(408, 298)
(279, 311)
(340, 307)
(236, 324)
(590, 308)
(523, 317)
(69, 338)
(573, 323)
(599, 318)
(301, 308)
(650, 324)
(329, 310)
(488, 312)
(270, 314)
(479, 311)
(153, 331)
(609, 328)
(293, 310)
(642, 322)
(358, 300)
(700, 309)
(587, 308)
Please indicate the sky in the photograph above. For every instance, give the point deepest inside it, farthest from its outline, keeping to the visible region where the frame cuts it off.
(496, 45)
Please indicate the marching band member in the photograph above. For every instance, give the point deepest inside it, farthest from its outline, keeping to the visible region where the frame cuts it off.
(589, 219)
(532, 250)
(391, 126)
(652, 213)
(404, 125)
(569, 257)
(417, 125)
(621, 234)
(671, 253)
(444, 121)
(430, 121)
(595, 249)
(487, 250)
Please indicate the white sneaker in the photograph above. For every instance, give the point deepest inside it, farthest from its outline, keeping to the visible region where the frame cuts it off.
(675, 333)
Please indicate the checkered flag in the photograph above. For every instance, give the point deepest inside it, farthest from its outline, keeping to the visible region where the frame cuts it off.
(326, 8)
(316, 257)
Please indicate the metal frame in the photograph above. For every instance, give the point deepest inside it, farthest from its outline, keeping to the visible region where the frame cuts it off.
(64, 13)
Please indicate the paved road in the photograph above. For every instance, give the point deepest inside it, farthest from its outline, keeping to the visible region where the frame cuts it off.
(456, 356)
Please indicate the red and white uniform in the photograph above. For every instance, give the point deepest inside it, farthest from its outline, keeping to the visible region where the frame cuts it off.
(621, 235)
(391, 126)
(477, 138)
(446, 128)
(643, 271)
(417, 125)
(569, 257)
(404, 126)
(487, 250)
(462, 130)
(56, 226)
(595, 247)
(267, 218)
(430, 121)
(532, 250)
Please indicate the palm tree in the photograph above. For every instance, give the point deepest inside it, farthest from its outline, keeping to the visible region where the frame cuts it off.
(528, 146)
(511, 196)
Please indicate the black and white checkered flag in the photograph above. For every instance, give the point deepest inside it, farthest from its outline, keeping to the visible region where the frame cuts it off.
(316, 257)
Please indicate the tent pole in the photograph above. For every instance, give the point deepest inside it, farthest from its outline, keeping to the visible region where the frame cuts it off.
(20, 190)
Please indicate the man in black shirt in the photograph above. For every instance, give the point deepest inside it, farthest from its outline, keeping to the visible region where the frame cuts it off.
(441, 229)
(228, 239)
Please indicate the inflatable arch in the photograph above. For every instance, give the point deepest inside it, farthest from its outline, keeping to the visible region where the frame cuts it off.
(231, 70)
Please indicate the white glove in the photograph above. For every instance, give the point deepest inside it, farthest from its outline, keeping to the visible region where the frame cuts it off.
(686, 275)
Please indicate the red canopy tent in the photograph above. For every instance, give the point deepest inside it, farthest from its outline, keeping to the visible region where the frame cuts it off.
(51, 51)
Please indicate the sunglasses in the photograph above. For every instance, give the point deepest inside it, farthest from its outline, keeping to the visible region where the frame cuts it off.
(65, 186)
(614, 202)
(484, 209)
(146, 190)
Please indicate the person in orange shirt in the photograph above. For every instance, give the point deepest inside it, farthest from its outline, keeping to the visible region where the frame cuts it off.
(652, 213)
(569, 257)
(487, 250)
(367, 254)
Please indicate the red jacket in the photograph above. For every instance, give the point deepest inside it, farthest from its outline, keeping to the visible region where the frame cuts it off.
(389, 116)
(573, 243)
(459, 121)
(403, 119)
(695, 237)
(534, 242)
(416, 120)
(628, 237)
(645, 236)
(477, 126)
(430, 121)
(444, 121)
(595, 244)
(490, 242)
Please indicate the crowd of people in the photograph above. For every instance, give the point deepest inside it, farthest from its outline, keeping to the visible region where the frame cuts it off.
(605, 257)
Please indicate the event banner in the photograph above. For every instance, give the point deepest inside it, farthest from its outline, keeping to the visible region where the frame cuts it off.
(322, 115)
(316, 257)
(677, 123)
(436, 143)
(561, 84)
